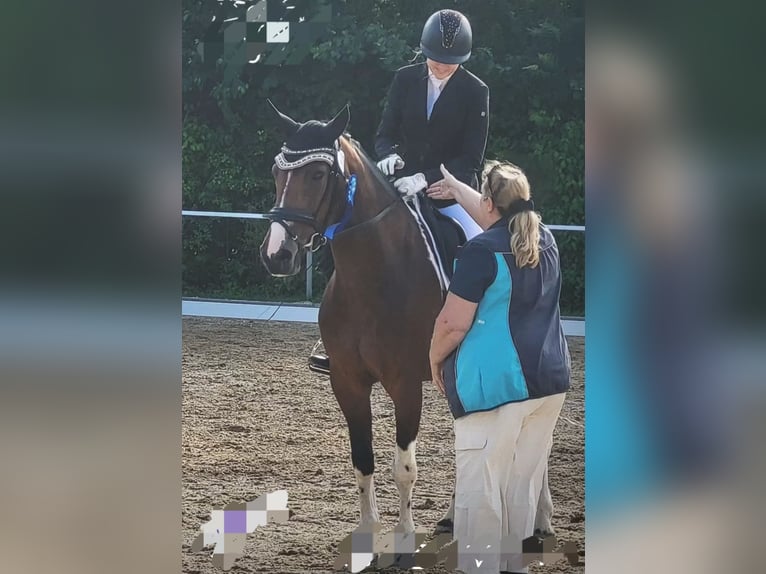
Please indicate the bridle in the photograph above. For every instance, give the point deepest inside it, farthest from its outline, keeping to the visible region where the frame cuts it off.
(283, 215)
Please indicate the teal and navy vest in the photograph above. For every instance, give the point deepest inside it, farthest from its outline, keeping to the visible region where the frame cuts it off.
(515, 349)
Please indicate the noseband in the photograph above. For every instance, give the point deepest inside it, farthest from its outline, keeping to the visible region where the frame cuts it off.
(282, 215)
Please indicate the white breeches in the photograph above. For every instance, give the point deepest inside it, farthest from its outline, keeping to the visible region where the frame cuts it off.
(470, 227)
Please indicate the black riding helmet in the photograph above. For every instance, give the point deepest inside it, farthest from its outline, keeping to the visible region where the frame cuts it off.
(447, 37)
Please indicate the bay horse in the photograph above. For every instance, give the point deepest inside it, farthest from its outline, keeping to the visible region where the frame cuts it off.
(381, 302)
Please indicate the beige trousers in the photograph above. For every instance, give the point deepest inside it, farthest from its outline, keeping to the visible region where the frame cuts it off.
(501, 457)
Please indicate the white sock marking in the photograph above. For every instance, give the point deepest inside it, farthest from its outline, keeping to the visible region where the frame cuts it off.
(405, 475)
(367, 503)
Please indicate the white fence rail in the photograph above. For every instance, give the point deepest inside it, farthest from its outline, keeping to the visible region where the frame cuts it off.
(309, 255)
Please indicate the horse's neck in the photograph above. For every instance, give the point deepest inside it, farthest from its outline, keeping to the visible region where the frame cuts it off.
(370, 201)
(373, 244)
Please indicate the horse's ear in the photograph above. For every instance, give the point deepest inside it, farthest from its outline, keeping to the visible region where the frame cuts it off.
(290, 125)
(339, 123)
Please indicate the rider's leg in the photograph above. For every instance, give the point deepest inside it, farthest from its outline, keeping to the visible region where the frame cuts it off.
(470, 227)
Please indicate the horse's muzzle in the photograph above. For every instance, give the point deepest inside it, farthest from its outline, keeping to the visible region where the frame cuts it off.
(283, 258)
(282, 264)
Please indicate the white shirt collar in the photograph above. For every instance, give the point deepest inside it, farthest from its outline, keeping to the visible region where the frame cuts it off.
(436, 81)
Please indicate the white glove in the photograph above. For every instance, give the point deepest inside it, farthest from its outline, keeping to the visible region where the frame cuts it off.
(412, 184)
(390, 164)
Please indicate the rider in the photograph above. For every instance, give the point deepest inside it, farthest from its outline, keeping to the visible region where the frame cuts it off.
(436, 113)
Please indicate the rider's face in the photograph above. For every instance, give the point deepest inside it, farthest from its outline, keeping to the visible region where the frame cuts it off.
(440, 70)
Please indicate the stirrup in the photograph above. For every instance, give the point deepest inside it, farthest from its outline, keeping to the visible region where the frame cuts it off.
(319, 362)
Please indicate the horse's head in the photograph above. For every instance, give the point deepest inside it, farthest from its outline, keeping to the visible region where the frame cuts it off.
(309, 191)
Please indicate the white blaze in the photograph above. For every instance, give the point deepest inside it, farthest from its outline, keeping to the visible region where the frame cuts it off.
(277, 232)
(277, 238)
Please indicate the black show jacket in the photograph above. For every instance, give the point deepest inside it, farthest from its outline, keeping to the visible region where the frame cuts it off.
(455, 134)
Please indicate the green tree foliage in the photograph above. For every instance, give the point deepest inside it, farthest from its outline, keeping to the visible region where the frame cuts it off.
(529, 52)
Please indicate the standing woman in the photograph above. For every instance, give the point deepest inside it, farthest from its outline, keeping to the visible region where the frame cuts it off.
(436, 112)
(499, 355)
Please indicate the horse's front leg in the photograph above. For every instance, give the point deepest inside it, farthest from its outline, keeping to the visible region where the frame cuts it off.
(354, 401)
(407, 397)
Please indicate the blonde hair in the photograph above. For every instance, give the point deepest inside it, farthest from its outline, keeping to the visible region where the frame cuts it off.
(504, 184)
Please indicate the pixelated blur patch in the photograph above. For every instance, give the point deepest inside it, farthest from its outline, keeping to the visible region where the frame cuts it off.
(272, 32)
(257, 12)
(277, 32)
(368, 546)
(228, 527)
(256, 33)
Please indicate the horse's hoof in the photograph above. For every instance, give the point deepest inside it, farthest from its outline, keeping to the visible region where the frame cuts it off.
(372, 566)
(545, 532)
(372, 526)
(407, 528)
(404, 561)
(444, 526)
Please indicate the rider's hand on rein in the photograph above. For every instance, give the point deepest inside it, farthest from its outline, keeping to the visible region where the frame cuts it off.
(411, 185)
(390, 164)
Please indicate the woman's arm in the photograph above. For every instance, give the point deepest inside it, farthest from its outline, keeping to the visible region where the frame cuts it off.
(451, 326)
(452, 188)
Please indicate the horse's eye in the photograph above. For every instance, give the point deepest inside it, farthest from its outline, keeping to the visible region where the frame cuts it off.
(317, 175)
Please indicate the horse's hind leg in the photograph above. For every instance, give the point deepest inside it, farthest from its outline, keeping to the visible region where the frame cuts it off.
(447, 522)
(544, 515)
(354, 401)
(408, 403)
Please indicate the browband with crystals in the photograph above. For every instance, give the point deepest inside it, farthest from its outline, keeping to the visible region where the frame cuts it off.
(282, 162)
(325, 154)
(286, 149)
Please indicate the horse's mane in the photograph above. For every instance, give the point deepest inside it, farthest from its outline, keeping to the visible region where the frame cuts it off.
(372, 168)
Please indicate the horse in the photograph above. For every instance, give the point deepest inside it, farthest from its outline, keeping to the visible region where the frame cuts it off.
(381, 302)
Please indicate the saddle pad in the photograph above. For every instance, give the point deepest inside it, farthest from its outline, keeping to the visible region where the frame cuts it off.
(442, 235)
(448, 233)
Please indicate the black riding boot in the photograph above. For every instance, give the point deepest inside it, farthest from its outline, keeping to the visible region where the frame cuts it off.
(319, 362)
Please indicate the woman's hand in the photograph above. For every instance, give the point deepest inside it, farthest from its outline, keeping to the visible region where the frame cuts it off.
(437, 377)
(447, 188)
